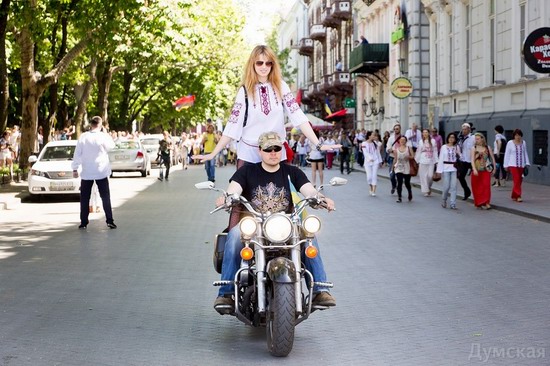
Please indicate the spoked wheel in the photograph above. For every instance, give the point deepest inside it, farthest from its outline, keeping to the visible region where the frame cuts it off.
(281, 319)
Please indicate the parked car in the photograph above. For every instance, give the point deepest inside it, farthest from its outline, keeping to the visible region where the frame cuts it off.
(129, 156)
(151, 145)
(51, 171)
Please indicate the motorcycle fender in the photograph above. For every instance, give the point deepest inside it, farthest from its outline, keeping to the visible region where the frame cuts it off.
(281, 270)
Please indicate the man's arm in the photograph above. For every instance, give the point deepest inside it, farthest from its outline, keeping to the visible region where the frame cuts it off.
(233, 188)
(308, 190)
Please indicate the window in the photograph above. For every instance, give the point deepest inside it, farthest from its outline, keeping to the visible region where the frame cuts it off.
(540, 147)
(522, 34)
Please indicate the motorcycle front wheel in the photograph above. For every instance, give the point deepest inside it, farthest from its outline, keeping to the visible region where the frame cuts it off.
(281, 319)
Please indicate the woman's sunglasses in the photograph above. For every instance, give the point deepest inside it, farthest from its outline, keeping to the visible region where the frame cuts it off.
(267, 63)
(272, 149)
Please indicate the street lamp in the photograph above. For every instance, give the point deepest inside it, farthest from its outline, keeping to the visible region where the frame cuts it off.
(371, 107)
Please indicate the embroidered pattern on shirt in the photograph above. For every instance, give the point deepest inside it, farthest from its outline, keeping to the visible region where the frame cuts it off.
(290, 102)
(264, 100)
(270, 198)
(235, 112)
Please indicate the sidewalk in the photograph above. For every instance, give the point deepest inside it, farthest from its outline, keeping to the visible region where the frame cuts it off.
(536, 197)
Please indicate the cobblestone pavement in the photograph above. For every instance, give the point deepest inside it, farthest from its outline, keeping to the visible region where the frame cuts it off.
(415, 284)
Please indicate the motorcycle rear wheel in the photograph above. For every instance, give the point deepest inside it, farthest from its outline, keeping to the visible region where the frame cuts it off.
(281, 319)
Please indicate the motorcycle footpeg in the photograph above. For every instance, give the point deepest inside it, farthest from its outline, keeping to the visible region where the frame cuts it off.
(319, 307)
(222, 283)
(324, 284)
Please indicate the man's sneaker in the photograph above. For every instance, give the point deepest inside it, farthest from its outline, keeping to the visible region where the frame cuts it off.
(111, 225)
(324, 298)
(224, 305)
(82, 226)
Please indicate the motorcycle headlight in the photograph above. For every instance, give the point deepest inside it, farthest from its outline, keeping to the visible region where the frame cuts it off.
(311, 225)
(248, 226)
(278, 228)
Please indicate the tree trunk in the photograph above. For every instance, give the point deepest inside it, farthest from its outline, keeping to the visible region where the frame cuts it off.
(83, 100)
(125, 105)
(4, 81)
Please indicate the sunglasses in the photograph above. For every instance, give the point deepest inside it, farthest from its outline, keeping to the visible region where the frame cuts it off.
(272, 149)
(267, 63)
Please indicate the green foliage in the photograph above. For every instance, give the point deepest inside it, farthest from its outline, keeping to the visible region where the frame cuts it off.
(164, 49)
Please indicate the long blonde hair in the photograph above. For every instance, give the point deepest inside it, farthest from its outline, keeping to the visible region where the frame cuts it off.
(250, 78)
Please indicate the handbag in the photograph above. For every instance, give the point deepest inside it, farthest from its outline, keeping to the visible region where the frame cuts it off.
(413, 167)
(436, 177)
(525, 171)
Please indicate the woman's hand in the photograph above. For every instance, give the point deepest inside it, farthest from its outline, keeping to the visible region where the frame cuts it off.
(475, 172)
(203, 158)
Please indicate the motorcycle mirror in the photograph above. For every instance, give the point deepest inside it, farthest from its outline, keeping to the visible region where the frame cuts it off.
(338, 181)
(205, 185)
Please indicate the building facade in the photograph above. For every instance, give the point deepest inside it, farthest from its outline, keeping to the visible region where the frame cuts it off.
(478, 74)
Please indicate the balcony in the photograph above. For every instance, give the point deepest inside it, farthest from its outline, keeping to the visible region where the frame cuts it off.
(305, 47)
(341, 82)
(313, 91)
(326, 83)
(328, 19)
(318, 32)
(369, 58)
(342, 10)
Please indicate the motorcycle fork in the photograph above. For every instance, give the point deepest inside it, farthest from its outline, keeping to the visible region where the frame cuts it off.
(297, 260)
(260, 278)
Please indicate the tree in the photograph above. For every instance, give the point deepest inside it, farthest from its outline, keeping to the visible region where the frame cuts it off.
(4, 81)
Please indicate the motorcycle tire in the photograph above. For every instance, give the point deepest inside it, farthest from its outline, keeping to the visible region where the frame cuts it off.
(281, 319)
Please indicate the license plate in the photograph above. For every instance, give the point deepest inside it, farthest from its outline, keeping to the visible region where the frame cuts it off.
(61, 186)
(122, 157)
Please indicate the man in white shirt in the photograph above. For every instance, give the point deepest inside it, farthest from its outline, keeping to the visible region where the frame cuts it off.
(91, 153)
(413, 135)
(465, 143)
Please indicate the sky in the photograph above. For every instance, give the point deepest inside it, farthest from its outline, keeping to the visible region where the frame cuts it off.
(260, 17)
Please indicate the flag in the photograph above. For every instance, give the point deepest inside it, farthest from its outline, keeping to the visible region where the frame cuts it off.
(184, 102)
(327, 106)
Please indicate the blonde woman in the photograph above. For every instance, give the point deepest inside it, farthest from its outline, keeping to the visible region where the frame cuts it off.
(483, 163)
(426, 156)
(265, 99)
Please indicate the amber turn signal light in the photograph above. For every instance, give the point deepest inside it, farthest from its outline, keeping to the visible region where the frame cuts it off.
(247, 253)
(311, 251)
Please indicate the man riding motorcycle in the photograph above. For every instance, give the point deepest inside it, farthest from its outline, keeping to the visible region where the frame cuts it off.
(267, 186)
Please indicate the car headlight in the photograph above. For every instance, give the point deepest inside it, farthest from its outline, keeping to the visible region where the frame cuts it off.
(311, 225)
(278, 228)
(38, 173)
(248, 226)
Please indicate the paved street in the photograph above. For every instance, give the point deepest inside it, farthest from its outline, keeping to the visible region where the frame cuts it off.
(415, 284)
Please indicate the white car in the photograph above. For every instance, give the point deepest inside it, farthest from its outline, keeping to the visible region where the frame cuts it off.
(51, 172)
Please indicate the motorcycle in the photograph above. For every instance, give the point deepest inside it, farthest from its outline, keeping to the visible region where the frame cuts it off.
(270, 285)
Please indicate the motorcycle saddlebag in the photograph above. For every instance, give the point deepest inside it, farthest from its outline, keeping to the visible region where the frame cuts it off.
(219, 247)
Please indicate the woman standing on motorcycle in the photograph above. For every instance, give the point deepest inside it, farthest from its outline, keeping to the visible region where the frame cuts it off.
(261, 104)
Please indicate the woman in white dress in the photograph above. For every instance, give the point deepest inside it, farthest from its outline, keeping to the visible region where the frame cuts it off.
(373, 159)
(426, 157)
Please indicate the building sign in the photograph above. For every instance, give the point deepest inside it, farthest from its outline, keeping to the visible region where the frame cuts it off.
(536, 50)
(401, 88)
(349, 103)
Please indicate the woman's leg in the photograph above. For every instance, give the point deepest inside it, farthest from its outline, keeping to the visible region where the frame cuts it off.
(313, 173)
(374, 177)
(423, 176)
(446, 186)
(408, 185)
(453, 180)
(320, 167)
(399, 177)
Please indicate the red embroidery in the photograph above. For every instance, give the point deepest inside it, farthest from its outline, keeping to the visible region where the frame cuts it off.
(264, 100)
(235, 112)
(290, 102)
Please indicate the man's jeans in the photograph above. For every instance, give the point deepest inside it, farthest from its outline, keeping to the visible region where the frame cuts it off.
(232, 262)
(210, 166)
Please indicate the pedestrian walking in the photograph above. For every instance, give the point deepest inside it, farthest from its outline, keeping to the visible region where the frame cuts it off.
(516, 161)
(499, 149)
(446, 166)
(465, 143)
(329, 154)
(373, 159)
(438, 139)
(483, 163)
(426, 156)
(401, 157)
(414, 135)
(393, 142)
(91, 153)
(317, 161)
(345, 152)
(165, 149)
(209, 141)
